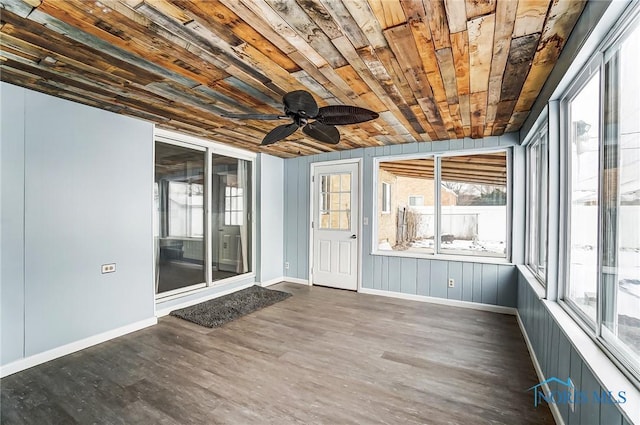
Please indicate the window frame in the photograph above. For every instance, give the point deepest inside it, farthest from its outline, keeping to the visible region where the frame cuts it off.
(592, 67)
(597, 331)
(415, 197)
(386, 198)
(188, 211)
(209, 148)
(533, 142)
(231, 194)
(437, 255)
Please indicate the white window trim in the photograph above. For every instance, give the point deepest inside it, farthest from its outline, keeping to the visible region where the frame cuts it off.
(386, 193)
(574, 89)
(531, 141)
(437, 255)
(415, 197)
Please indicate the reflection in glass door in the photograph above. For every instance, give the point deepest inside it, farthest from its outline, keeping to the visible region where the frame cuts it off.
(179, 194)
(230, 217)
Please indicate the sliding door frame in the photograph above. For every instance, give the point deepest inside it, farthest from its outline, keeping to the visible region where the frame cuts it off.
(210, 148)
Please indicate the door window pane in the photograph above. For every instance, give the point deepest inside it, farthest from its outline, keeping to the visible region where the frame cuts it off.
(584, 111)
(335, 201)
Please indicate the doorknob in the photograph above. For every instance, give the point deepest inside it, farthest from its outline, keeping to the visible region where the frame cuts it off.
(354, 237)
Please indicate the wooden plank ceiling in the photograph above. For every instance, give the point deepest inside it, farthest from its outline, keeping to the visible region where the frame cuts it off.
(432, 69)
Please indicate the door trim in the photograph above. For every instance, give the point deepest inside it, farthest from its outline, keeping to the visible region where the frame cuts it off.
(312, 169)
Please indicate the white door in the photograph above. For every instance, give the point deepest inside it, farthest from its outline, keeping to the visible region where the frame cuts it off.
(335, 226)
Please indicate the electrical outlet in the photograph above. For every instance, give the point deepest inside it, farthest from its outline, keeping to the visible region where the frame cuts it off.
(286, 265)
(451, 283)
(108, 268)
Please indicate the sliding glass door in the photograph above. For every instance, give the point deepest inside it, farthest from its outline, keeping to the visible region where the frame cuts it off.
(179, 191)
(203, 204)
(231, 220)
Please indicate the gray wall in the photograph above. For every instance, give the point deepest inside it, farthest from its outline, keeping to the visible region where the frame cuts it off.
(76, 193)
(12, 230)
(271, 217)
(485, 283)
(559, 358)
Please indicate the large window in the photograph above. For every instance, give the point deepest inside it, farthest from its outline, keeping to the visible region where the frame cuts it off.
(584, 138)
(602, 263)
(537, 175)
(444, 204)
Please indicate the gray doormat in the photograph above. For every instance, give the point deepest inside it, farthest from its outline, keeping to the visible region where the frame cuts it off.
(218, 311)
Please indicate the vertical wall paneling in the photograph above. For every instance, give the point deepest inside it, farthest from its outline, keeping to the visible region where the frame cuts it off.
(303, 218)
(385, 274)
(609, 414)
(455, 273)
(76, 193)
(507, 286)
(88, 201)
(292, 237)
(564, 369)
(367, 261)
(271, 217)
(439, 279)
(589, 412)
(576, 378)
(476, 282)
(12, 243)
(424, 277)
(394, 274)
(558, 357)
(467, 282)
(489, 284)
(408, 276)
(377, 273)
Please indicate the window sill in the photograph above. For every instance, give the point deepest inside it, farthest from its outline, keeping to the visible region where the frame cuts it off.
(606, 372)
(445, 257)
(533, 281)
(610, 377)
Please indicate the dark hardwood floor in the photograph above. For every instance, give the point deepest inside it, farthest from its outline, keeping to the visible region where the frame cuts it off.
(322, 356)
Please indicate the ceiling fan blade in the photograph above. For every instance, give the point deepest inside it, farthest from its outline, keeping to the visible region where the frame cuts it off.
(255, 116)
(300, 103)
(322, 132)
(279, 133)
(344, 114)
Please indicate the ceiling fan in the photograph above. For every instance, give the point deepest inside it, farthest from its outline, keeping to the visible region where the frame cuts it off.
(302, 109)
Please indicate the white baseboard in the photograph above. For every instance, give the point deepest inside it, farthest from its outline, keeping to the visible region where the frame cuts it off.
(165, 311)
(54, 353)
(272, 281)
(442, 301)
(295, 280)
(557, 416)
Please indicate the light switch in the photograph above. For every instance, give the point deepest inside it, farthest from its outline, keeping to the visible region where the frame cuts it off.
(365, 221)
